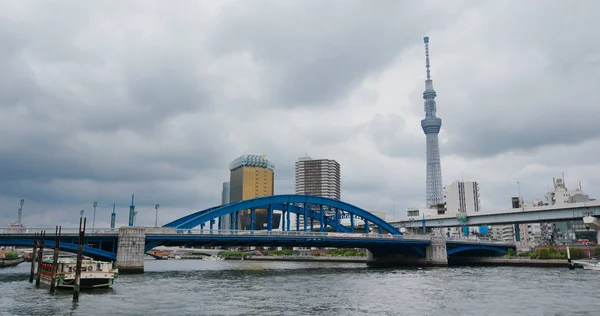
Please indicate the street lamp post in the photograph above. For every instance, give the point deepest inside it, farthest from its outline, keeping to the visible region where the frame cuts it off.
(94, 217)
(81, 213)
(156, 206)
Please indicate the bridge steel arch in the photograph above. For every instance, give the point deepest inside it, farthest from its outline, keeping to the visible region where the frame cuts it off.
(325, 210)
(477, 247)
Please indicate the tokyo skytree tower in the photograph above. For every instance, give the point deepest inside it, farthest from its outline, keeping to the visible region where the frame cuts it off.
(431, 127)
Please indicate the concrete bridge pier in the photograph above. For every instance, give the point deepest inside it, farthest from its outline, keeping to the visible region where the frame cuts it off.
(130, 250)
(434, 254)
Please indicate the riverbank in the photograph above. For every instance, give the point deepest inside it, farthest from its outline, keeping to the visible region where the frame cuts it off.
(492, 261)
(515, 262)
(308, 259)
(5, 263)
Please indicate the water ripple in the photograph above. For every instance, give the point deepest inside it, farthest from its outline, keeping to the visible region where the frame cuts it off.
(230, 288)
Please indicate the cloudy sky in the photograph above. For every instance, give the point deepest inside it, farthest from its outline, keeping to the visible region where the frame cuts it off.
(101, 100)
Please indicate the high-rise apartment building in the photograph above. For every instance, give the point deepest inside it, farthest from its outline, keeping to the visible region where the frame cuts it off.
(224, 221)
(251, 176)
(225, 193)
(318, 177)
(462, 197)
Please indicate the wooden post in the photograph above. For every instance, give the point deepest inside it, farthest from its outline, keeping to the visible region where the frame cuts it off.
(571, 267)
(76, 288)
(33, 256)
(55, 259)
(40, 257)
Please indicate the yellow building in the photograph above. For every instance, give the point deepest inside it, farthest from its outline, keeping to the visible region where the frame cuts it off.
(251, 176)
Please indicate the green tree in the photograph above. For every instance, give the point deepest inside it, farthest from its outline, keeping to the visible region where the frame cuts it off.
(543, 254)
(511, 252)
(576, 253)
(550, 249)
(11, 255)
(597, 251)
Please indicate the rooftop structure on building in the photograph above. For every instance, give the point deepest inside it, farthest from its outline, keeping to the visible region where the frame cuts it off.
(258, 161)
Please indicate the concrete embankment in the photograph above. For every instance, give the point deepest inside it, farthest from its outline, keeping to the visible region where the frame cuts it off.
(525, 262)
(312, 259)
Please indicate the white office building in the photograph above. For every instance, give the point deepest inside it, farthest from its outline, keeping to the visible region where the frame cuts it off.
(462, 197)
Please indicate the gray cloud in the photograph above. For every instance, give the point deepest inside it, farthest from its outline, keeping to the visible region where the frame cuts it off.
(529, 80)
(315, 52)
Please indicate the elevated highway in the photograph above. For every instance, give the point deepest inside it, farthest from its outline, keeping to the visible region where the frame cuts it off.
(575, 211)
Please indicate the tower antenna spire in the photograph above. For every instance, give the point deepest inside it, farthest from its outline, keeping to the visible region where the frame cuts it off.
(426, 40)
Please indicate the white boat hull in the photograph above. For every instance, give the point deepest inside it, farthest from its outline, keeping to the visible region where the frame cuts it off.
(84, 283)
(588, 265)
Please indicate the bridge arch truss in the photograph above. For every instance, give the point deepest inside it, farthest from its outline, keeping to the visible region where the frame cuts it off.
(308, 211)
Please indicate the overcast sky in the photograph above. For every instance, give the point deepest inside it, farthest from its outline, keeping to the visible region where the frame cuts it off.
(101, 100)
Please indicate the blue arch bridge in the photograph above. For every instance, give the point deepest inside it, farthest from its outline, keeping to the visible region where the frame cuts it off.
(301, 221)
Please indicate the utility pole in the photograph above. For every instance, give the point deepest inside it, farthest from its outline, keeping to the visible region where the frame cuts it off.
(94, 217)
(21, 211)
(156, 206)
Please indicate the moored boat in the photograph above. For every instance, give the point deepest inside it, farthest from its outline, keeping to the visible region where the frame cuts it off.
(94, 274)
(6, 262)
(213, 258)
(590, 264)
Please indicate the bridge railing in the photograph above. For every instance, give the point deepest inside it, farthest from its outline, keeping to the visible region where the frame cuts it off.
(243, 233)
(250, 233)
(64, 231)
(480, 240)
(333, 258)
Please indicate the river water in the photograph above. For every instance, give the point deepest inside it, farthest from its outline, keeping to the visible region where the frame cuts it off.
(193, 287)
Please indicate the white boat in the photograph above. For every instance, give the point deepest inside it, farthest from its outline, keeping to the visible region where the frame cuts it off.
(94, 274)
(589, 264)
(213, 258)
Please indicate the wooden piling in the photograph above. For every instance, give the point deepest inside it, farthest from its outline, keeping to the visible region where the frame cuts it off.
(55, 259)
(571, 266)
(40, 257)
(33, 256)
(80, 243)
